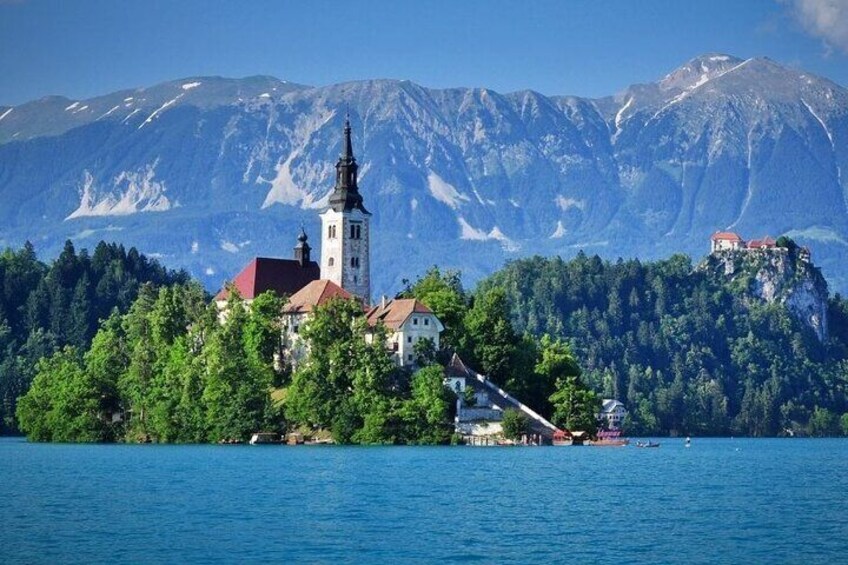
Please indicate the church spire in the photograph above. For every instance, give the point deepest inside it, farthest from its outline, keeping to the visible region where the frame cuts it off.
(347, 152)
(345, 196)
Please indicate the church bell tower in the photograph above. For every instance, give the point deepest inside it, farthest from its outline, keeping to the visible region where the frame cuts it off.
(345, 229)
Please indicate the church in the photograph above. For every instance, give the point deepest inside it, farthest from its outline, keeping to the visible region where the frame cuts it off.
(344, 271)
(345, 250)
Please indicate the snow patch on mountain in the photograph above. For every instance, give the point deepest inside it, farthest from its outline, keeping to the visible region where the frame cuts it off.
(559, 232)
(445, 192)
(6, 113)
(566, 204)
(160, 109)
(288, 186)
(130, 192)
(130, 115)
(229, 246)
(109, 112)
(619, 115)
(470, 233)
(283, 190)
(190, 85)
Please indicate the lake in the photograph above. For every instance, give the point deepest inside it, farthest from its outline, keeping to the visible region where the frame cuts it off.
(720, 501)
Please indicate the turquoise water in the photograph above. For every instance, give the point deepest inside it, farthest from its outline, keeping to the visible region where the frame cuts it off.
(721, 501)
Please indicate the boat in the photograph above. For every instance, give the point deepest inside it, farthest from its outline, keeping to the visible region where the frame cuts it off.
(566, 437)
(264, 438)
(561, 438)
(609, 438)
(647, 444)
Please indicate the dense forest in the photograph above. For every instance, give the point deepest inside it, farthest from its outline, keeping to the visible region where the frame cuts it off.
(119, 349)
(686, 349)
(44, 308)
(174, 369)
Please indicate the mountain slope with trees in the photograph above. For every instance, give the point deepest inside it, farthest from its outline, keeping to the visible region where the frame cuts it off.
(44, 308)
(689, 351)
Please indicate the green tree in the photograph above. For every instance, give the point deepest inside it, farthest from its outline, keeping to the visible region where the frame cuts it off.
(426, 415)
(823, 423)
(514, 424)
(444, 295)
(347, 383)
(64, 403)
(490, 338)
(575, 406)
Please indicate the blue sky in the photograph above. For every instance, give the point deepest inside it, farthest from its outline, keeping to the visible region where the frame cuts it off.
(82, 48)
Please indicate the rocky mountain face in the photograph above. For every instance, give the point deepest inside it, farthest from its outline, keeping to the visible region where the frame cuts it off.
(779, 276)
(208, 172)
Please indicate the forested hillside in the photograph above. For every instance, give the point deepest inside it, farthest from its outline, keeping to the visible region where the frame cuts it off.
(44, 307)
(689, 351)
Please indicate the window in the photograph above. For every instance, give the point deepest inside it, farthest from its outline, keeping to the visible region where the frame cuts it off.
(409, 339)
(409, 357)
(414, 321)
(331, 262)
(295, 329)
(355, 231)
(331, 232)
(426, 321)
(354, 262)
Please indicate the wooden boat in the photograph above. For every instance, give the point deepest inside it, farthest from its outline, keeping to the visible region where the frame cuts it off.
(561, 438)
(566, 437)
(609, 438)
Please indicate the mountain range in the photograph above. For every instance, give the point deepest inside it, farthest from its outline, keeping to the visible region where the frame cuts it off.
(208, 172)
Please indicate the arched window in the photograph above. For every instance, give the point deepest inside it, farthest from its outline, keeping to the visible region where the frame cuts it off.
(330, 262)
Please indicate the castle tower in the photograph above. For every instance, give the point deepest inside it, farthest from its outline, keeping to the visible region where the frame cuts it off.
(345, 230)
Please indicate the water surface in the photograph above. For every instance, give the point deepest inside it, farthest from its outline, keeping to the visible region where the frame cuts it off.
(720, 501)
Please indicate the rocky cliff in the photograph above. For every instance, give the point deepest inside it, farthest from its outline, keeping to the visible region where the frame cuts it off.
(779, 275)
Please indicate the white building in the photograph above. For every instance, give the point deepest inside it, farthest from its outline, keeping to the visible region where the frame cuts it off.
(297, 311)
(612, 414)
(409, 322)
(725, 240)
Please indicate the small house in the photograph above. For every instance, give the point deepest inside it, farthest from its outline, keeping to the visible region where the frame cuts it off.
(409, 322)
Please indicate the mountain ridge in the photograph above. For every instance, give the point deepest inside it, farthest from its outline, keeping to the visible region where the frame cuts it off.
(463, 177)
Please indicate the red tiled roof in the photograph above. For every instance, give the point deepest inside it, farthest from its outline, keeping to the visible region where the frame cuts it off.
(725, 236)
(283, 276)
(760, 243)
(395, 312)
(314, 294)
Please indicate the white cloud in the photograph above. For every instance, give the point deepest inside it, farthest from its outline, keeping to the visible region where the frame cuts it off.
(827, 19)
